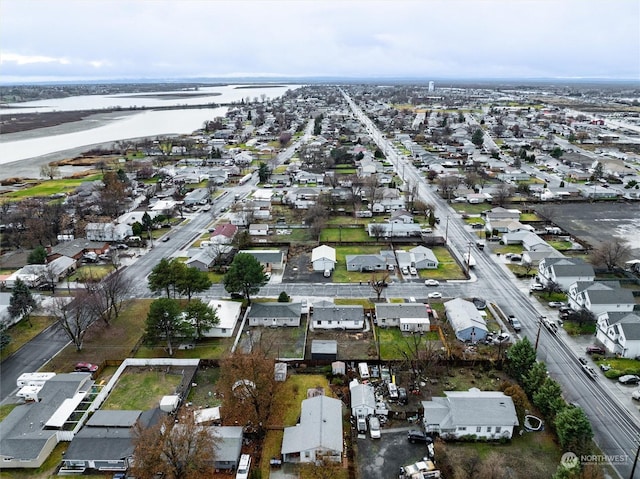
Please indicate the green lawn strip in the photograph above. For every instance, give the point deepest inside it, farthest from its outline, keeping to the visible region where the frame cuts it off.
(471, 209)
(6, 409)
(521, 271)
(508, 248)
(529, 217)
(51, 187)
(473, 220)
(24, 331)
(202, 395)
(141, 390)
(621, 366)
(560, 245)
(291, 234)
(574, 329)
(348, 220)
(91, 271)
(365, 303)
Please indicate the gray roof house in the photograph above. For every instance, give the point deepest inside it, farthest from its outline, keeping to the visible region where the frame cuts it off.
(407, 316)
(423, 258)
(472, 413)
(394, 230)
(599, 300)
(228, 446)
(327, 315)
(319, 433)
(363, 399)
(619, 332)
(365, 262)
(105, 443)
(269, 258)
(107, 231)
(274, 314)
(565, 271)
(465, 319)
(32, 430)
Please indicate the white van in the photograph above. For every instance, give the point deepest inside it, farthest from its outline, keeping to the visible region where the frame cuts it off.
(393, 391)
(363, 369)
(243, 467)
(327, 273)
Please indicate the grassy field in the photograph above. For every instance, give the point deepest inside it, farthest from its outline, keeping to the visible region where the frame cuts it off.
(393, 343)
(470, 209)
(448, 268)
(350, 235)
(50, 187)
(91, 271)
(141, 390)
(103, 342)
(505, 249)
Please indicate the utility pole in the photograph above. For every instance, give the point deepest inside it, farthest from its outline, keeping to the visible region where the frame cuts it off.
(538, 333)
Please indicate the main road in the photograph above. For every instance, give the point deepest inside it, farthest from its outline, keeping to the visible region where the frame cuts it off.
(616, 430)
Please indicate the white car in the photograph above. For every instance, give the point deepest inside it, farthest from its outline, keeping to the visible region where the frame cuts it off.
(413, 271)
(374, 427)
(431, 282)
(405, 270)
(501, 338)
(636, 395)
(434, 295)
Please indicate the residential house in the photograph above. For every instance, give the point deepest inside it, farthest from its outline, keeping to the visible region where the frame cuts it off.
(564, 271)
(275, 314)
(270, 259)
(228, 447)
(471, 414)
(600, 297)
(619, 332)
(401, 216)
(224, 233)
(409, 317)
(323, 258)
(199, 196)
(105, 443)
(318, 435)
(423, 258)
(108, 231)
(327, 315)
(537, 253)
(501, 214)
(363, 399)
(228, 313)
(256, 229)
(203, 260)
(365, 262)
(465, 319)
(31, 431)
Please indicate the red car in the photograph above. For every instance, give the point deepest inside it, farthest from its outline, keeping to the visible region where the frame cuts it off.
(86, 368)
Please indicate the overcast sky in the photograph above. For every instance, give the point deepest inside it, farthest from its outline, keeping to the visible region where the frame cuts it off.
(427, 39)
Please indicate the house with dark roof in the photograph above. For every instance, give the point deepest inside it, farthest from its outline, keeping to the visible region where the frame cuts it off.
(409, 317)
(327, 315)
(619, 332)
(318, 435)
(268, 258)
(481, 414)
(274, 314)
(600, 296)
(465, 319)
(564, 271)
(224, 233)
(31, 431)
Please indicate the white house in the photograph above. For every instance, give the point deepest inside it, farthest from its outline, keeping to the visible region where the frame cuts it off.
(327, 315)
(473, 413)
(465, 319)
(407, 316)
(323, 258)
(363, 399)
(619, 332)
(228, 313)
(107, 231)
(600, 297)
(318, 434)
(256, 229)
(275, 314)
(564, 271)
(394, 230)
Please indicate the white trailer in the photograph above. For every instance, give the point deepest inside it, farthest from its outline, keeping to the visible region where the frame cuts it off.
(33, 379)
(29, 393)
(363, 369)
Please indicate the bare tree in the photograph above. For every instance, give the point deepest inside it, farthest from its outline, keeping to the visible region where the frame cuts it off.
(502, 193)
(49, 171)
(74, 317)
(174, 448)
(448, 185)
(611, 254)
(372, 188)
(378, 282)
(377, 230)
(110, 294)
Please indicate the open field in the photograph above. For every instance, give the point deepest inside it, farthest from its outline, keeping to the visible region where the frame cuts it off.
(141, 389)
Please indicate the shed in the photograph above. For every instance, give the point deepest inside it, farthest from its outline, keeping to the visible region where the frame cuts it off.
(169, 404)
(338, 368)
(326, 350)
(280, 372)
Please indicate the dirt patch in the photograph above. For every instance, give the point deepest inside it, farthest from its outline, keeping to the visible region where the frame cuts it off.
(351, 345)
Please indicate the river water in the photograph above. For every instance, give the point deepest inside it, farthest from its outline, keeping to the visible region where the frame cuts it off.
(109, 128)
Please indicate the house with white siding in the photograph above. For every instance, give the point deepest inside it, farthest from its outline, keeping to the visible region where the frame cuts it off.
(564, 271)
(327, 315)
(274, 314)
(619, 333)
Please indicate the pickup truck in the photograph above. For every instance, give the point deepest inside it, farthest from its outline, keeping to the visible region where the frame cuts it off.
(589, 371)
(515, 323)
(551, 326)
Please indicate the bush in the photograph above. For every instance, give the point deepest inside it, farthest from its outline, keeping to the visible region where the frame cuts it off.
(613, 373)
(284, 297)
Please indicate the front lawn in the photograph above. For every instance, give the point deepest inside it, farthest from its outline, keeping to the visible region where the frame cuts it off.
(394, 344)
(23, 332)
(350, 235)
(50, 187)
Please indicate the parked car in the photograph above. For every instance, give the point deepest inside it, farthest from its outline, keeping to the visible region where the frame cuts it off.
(374, 427)
(595, 350)
(629, 379)
(413, 271)
(556, 304)
(431, 282)
(391, 267)
(402, 396)
(166, 238)
(565, 309)
(605, 367)
(583, 360)
(502, 337)
(515, 258)
(479, 303)
(405, 270)
(85, 368)
(515, 323)
(244, 466)
(636, 395)
(434, 295)
(415, 435)
(537, 287)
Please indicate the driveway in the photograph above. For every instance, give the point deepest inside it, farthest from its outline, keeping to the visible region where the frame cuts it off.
(382, 458)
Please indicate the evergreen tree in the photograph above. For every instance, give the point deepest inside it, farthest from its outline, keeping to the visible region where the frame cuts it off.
(201, 316)
(37, 256)
(478, 138)
(520, 358)
(246, 276)
(166, 323)
(22, 301)
(574, 430)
